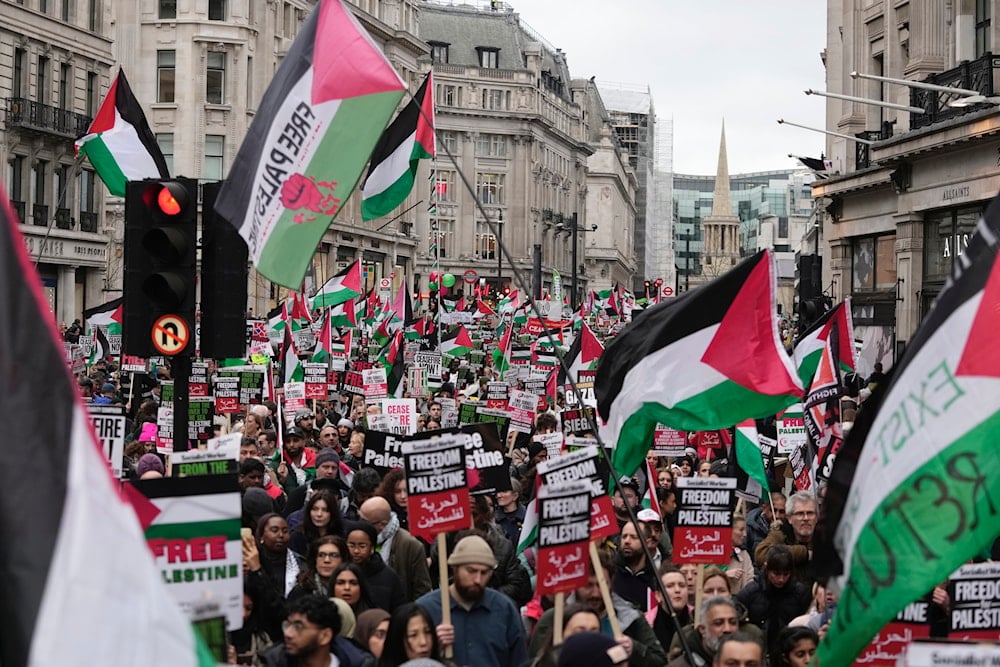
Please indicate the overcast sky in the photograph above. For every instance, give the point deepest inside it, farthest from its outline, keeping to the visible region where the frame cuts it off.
(747, 61)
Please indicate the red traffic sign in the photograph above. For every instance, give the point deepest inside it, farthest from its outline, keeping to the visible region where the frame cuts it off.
(659, 281)
(470, 276)
(667, 290)
(170, 335)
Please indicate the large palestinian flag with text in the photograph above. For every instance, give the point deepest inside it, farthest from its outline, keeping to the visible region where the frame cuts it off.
(77, 583)
(915, 489)
(701, 362)
(312, 135)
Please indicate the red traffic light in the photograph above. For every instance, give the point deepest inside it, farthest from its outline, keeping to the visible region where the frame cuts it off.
(169, 198)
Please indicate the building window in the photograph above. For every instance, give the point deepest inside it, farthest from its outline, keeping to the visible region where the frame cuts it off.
(490, 188)
(783, 228)
(444, 185)
(168, 9)
(215, 78)
(442, 232)
(166, 142)
(42, 80)
(449, 140)
(449, 96)
(488, 57)
(946, 236)
(88, 192)
(40, 194)
(496, 100)
(491, 145)
(251, 102)
(217, 10)
(64, 14)
(17, 179)
(873, 263)
(486, 242)
(20, 57)
(166, 74)
(215, 145)
(91, 94)
(92, 15)
(65, 83)
(984, 16)
(439, 52)
(43, 6)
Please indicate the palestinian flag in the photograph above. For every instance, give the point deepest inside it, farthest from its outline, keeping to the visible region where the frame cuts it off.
(343, 287)
(809, 346)
(583, 354)
(324, 342)
(100, 348)
(119, 143)
(344, 315)
(391, 358)
(702, 362)
(746, 450)
(313, 133)
(407, 140)
(54, 600)
(458, 343)
(402, 306)
(291, 367)
(915, 487)
(529, 527)
(108, 316)
(508, 304)
(501, 354)
(822, 409)
(483, 310)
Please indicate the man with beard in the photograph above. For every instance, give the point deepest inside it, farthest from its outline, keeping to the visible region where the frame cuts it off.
(310, 634)
(626, 493)
(485, 628)
(635, 576)
(300, 462)
(637, 637)
(717, 619)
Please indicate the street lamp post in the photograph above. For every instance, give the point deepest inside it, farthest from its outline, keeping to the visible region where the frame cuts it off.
(499, 254)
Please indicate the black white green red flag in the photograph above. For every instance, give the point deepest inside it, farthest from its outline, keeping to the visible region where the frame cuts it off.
(809, 346)
(701, 362)
(915, 489)
(309, 142)
(79, 572)
(407, 140)
(119, 144)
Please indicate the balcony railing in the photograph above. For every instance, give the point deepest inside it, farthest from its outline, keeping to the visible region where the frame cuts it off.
(88, 222)
(972, 75)
(63, 218)
(32, 115)
(40, 215)
(862, 154)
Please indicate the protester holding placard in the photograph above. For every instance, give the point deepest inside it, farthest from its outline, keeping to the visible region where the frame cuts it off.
(384, 585)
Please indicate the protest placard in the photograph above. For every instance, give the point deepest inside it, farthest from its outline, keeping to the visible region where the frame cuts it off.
(133, 364)
(497, 395)
(109, 424)
(553, 442)
(578, 422)
(563, 537)
(295, 398)
(521, 406)
(383, 451)
(195, 540)
(375, 384)
(449, 412)
(227, 394)
(584, 464)
(437, 486)
(198, 380)
(315, 381)
(668, 441)
(974, 591)
(791, 429)
(892, 641)
(401, 415)
(201, 409)
(430, 361)
(704, 532)
(199, 463)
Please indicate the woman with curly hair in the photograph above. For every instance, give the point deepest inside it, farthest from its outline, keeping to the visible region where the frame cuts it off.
(316, 578)
(320, 517)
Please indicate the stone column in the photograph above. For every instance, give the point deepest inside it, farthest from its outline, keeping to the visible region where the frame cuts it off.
(66, 295)
(909, 272)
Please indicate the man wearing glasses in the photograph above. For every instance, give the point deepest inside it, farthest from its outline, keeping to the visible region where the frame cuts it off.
(310, 634)
(796, 532)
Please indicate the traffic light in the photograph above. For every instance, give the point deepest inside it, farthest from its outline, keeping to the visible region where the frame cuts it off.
(223, 282)
(161, 237)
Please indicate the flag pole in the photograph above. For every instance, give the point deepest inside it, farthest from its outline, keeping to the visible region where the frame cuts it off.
(75, 167)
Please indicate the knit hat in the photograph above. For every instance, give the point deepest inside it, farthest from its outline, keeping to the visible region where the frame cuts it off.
(366, 624)
(256, 503)
(148, 432)
(472, 550)
(592, 649)
(107, 388)
(149, 462)
(346, 422)
(326, 455)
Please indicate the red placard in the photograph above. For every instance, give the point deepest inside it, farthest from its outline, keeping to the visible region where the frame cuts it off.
(703, 545)
(563, 534)
(437, 486)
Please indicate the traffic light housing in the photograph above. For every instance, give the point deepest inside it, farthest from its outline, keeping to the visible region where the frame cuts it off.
(224, 270)
(161, 238)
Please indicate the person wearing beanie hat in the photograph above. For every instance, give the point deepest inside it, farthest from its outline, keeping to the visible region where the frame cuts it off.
(256, 503)
(344, 428)
(149, 467)
(592, 649)
(327, 455)
(486, 628)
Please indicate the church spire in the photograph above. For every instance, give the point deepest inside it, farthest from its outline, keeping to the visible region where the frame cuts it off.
(721, 206)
